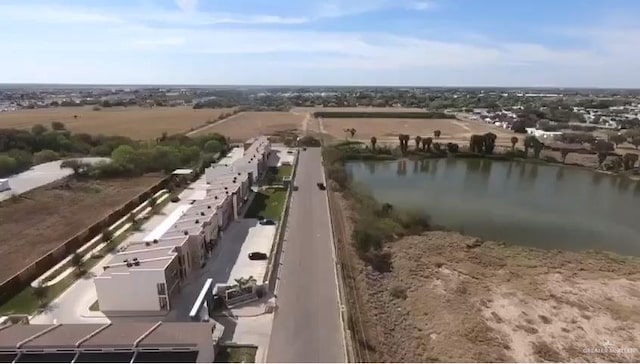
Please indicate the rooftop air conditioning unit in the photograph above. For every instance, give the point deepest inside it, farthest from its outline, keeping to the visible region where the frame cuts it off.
(129, 265)
(185, 232)
(147, 243)
(201, 213)
(197, 221)
(155, 241)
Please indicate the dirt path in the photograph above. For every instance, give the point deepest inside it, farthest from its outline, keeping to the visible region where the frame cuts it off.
(454, 298)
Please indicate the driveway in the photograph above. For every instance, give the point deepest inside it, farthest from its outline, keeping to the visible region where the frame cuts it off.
(307, 325)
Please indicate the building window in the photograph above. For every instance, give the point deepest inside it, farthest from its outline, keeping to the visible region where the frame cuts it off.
(164, 304)
(162, 289)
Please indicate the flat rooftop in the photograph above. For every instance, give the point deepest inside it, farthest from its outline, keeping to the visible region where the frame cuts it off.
(232, 156)
(167, 223)
(184, 342)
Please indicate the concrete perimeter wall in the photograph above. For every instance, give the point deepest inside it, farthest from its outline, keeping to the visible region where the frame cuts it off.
(22, 279)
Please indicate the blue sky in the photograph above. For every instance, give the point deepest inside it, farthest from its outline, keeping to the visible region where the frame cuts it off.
(564, 43)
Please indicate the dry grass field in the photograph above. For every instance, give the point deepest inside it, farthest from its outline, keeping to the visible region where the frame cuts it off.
(44, 218)
(246, 125)
(135, 122)
(387, 130)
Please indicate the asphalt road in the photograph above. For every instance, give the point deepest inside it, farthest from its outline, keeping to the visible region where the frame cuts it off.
(307, 325)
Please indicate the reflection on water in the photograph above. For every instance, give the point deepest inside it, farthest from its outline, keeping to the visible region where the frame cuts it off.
(537, 205)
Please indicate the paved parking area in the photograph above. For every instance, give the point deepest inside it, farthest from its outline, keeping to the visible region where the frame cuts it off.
(229, 262)
(282, 155)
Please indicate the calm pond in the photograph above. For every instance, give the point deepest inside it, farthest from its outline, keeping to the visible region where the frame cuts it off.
(529, 204)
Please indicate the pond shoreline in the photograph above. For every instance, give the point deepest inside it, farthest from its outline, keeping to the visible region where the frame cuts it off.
(412, 155)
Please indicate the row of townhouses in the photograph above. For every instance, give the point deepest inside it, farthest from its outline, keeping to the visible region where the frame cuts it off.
(146, 275)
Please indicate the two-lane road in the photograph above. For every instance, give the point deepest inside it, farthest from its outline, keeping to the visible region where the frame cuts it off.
(307, 326)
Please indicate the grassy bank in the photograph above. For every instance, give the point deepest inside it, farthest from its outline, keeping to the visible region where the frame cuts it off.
(376, 223)
(267, 203)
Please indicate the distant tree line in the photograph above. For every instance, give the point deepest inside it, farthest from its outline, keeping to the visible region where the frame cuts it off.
(397, 115)
(21, 149)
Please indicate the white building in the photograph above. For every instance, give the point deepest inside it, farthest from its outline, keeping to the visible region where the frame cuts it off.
(146, 275)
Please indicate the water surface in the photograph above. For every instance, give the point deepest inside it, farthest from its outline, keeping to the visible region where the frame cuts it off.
(543, 206)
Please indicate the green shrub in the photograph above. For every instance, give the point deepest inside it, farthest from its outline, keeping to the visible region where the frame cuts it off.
(45, 156)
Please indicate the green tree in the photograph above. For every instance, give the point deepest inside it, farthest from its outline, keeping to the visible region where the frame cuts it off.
(352, 131)
(7, 165)
(635, 141)
(45, 156)
(437, 133)
(38, 129)
(58, 126)
(124, 154)
(213, 146)
(107, 235)
(79, 168)
(417, 139)
(564, 153)
(374, 140)
(617, 139)
(514, 141)
(426, 144)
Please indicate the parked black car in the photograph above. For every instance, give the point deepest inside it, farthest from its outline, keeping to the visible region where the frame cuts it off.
(267, 222)
(321, 186)
(257, 256)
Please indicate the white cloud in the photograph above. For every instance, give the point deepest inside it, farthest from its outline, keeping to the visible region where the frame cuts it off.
(187, 5)
(43, 13)
(422, 5)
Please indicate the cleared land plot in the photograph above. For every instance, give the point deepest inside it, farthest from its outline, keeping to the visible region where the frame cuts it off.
(134, 122)
(44, 218)
(247, 125)
(387, 130)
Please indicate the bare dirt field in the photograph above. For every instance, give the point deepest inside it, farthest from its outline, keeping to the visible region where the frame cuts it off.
(453, 298)
(44, 218)
(387, 130)
(246, 125)
(135, 122)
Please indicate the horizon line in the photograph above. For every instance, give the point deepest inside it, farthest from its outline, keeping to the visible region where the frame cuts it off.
(195, 85)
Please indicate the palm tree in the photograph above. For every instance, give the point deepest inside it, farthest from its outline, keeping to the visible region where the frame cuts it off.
(564, 153)
(437, 133)
(426, 143)
(352, 131)
(418, 139)
(514, 141)
(374, 140)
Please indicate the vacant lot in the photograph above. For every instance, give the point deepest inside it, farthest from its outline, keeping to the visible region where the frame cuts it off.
(44, 218)
(387, 130)
(453, 298)
(134, 122)
(246, 125)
